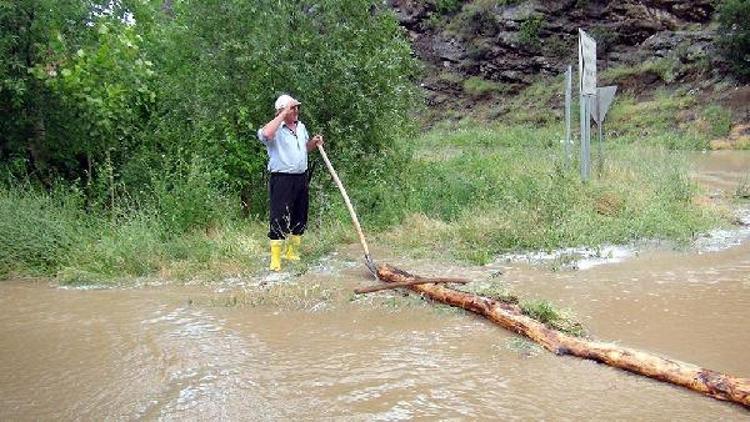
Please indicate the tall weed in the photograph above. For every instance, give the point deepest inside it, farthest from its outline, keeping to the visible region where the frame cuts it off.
(39, 229)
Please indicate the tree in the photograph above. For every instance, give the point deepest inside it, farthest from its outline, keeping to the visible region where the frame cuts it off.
(28, 28)
(73, 83)
(226, 61)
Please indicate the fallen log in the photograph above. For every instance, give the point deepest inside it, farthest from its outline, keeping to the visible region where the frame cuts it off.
(510, 316)
(418, 280)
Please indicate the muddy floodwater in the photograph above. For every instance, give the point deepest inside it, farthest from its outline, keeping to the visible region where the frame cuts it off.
(180, 353)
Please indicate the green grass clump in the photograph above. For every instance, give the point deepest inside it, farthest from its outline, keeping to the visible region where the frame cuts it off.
(39, 231)
(546, 313)
(50, 234)
(719, 120)
(663, 68)
(528, 34)
(478, 87)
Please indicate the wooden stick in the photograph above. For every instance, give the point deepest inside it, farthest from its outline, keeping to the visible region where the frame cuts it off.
(711, 383)
(380, 287)
(349, 206)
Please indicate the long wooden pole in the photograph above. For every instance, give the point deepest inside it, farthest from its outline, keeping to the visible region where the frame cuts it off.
(355, 220)
(510, 316)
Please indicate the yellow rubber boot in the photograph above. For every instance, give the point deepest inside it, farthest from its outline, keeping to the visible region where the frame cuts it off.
(292, 247)
(276, 255)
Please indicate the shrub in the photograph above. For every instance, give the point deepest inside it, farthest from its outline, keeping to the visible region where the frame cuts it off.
(447, 7)
(734, 34)
(528, 34)
(476, 19)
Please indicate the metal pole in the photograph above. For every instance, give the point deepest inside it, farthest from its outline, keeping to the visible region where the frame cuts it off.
(585, 138)
(568, 89)
(601, 146)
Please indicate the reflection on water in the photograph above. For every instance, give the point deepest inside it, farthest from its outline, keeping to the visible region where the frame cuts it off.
(152, 353)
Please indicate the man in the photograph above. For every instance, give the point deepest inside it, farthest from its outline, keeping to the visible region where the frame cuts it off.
(287, 142)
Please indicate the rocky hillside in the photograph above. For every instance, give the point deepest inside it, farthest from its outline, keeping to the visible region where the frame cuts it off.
(479, 51)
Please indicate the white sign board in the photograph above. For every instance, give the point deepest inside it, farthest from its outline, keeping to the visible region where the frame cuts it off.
(604, 97)
(586, 63)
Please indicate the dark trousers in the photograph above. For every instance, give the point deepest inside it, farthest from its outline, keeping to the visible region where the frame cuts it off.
(289, 204)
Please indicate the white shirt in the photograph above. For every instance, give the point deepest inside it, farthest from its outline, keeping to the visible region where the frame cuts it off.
(287, 152)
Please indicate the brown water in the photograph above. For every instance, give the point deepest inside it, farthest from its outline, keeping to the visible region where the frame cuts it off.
(173, 353)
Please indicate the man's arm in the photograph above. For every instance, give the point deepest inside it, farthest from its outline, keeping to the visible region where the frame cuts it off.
(269, 130)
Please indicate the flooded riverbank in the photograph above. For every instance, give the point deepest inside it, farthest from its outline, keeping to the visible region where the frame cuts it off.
(194, 352)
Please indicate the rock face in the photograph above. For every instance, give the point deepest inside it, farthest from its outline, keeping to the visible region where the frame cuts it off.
(509, 43)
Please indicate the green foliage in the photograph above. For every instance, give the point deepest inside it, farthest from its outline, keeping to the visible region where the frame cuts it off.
(539, 104)
(546, 313)
(665, 68)
(105, 88)
(734, 34)
(39, 230)
(447, 7)
(528, 34)
(479, 87)
(74, 86)
(476, 19)
(47, 234)
(186, 194)
(474, 192)
(346, 60)
(719, 119)
(657, 122)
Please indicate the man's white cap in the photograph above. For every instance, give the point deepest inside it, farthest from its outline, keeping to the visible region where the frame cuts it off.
(285, 100)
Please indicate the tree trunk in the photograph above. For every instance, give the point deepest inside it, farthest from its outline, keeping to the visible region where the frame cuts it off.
(509, 316)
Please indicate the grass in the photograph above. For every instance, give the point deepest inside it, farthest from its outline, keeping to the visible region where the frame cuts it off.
(48, 234)
(540, 310)
(478, 87)
(664, 68)
(674, 118)
(471, 200)
(546, 313)
(470, 193)
(288, 296)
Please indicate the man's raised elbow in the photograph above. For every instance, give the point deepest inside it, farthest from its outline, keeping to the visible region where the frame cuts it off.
(267, 134)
